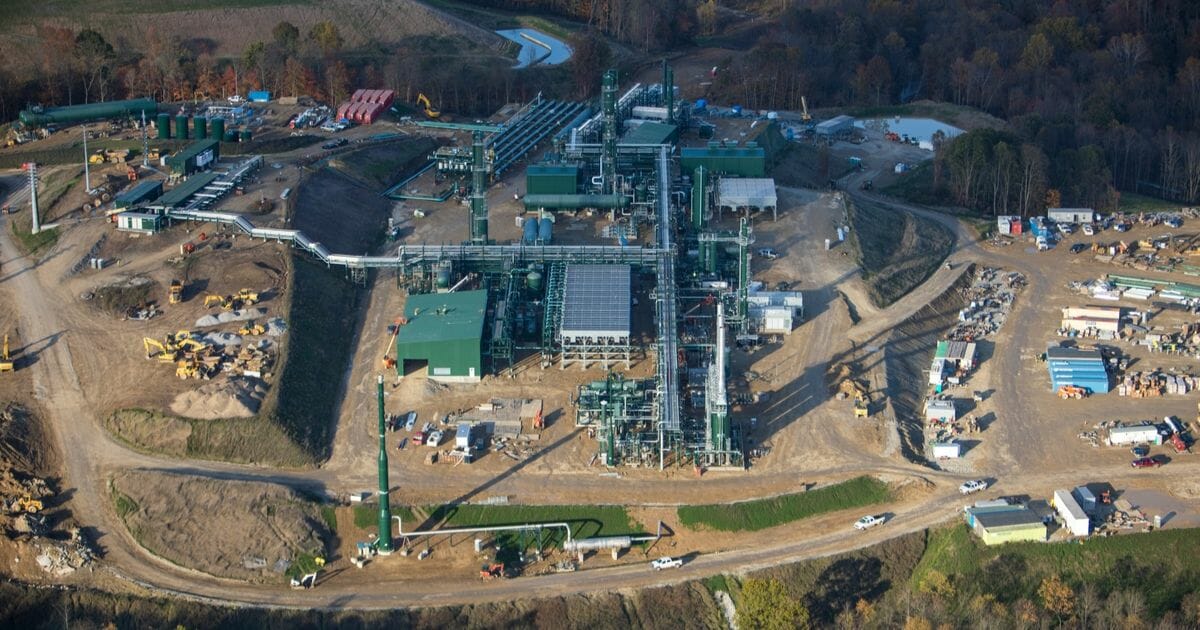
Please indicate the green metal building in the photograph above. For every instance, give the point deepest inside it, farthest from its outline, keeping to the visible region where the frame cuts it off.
(446, 330)
(544, 179)
(197, 156)
(651, 133)
(741, 161)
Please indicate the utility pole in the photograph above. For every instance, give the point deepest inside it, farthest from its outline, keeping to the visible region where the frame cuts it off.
(383, 545)
(87, 176)
(145, 141)
(35, 227)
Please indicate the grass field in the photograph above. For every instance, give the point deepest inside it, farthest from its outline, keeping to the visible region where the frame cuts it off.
(15, 12)
(1160, 564)
(32, 243)
(1132, 202)
(896, 251)
(764, 513)
(586, 521)
(240, 440)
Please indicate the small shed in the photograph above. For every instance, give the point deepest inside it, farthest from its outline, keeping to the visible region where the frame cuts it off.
(940, 411)
(937, 370)
(1074, 518)
(139, 222)
(836, 126)
(947, 450)
(1017, 525)
(959, 354)
(1078, 368)
(1141, 434)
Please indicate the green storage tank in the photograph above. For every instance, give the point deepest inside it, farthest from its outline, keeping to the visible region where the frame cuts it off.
(217, 127)
(246, 135)
(200, 128)
(164, 126)
(181, 128)
(231, 135)
(534, 281)
(39, 116)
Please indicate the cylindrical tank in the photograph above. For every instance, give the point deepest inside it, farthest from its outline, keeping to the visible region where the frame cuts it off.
(164, 126)
(231, 135)
(545, 229)
(443, 275)
(199, 127)
(530, 231)
(181, 128)
(534, 281)
(246, 135)
(556, 201)
(217, 127)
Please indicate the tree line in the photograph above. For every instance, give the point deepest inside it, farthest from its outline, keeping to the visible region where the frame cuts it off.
(1107, 91)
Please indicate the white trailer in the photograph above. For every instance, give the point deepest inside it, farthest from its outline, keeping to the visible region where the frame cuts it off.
(1074, 518)
(1141, 434)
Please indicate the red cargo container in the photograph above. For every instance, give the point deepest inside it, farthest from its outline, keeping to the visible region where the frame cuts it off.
(1016, 227)
(341, 111)
(358, 95)
(388, 98)
(374, 96)
(356, 111)
(373, 113)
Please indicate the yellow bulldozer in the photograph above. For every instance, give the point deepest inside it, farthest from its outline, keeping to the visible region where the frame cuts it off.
(862, 406)
(175, 293)
(26, 504)
(6, 362)
(252, 329)
(237, 301)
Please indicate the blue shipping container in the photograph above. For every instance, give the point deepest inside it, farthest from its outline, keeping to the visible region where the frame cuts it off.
(259, 96)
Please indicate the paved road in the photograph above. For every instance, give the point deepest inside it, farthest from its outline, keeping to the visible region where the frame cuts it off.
(90, 456)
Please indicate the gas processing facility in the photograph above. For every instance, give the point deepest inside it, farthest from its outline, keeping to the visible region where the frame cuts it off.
(667, 278)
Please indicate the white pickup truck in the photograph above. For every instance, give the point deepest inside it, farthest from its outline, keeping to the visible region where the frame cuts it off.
(976, 485)
(867, 522)
(666, 563)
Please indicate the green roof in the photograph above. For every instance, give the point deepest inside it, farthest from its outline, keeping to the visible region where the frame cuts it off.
(553, 169)
(182, 192)
(443, 317)
(650, 133)
(192, 150)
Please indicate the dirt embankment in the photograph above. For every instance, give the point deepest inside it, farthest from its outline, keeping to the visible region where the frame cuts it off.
(907, 354)
(237, 529)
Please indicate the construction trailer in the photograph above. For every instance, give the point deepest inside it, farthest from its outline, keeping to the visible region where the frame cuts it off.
(139, 222)
(1071, 215)
(1138, 434)
(1072, 515)
(446, 331)
(1100, 319)
(940, 411)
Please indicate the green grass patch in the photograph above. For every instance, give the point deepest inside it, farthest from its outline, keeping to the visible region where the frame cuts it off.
(32, 244)
(1159, 564)
(366, 516)
(718, 582)
(329, 515)
(304, 564)
(896, 251)
(586, 521)
(1132, 202)
(239, 440)
(763, 513)
(125, 505)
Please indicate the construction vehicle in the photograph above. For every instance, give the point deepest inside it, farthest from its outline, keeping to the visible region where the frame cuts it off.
(489, 572)
(26, 504)
(212, 299)
(862, 407)
(252, 329)
(394, 329)
(6, 362)
(237, 301)
(805, 117)
(1072, 392)
(155, 348)
(423, 101)
(175, 293)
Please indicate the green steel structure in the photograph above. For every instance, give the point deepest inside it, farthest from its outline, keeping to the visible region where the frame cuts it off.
(548, 179)
(622, 414)
(445, 329)
(668, 92)
(479, 174)
(383, 544)
(612, 128)
(699, 197)
(40, 116)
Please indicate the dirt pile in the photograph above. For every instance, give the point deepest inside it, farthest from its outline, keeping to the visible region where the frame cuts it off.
(230, 316)
(238, 397)
(236, 529)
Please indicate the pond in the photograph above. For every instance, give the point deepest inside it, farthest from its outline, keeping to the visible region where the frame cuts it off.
(920, 128)
(537, 48)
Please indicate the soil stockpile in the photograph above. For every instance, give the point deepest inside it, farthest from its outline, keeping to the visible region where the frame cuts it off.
(228, 398)
(236, 529)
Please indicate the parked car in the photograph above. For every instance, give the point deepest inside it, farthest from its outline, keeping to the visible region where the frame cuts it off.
(411, 421)
(1078, 247)
(427, 428)
(768, 253)
(1042, 244)
(1066, 228)
(1141, 450)
(1146, 462)
(418, 438)
(1121, 227)
(867, 522)
(666, 562)
(975, 485)
(1088, 230)
(434, 439)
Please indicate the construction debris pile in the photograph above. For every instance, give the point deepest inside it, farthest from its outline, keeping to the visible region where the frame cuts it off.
(1122, 517)
(60, 558)
(990, 298)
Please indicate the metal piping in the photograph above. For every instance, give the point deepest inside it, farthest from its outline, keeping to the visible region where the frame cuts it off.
(494, 528)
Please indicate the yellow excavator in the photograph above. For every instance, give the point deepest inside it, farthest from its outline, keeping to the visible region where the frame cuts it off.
(6, 362)
(423, 101)
(805, 117)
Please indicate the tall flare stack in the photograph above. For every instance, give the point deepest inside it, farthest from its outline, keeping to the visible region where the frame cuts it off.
(384, 544)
